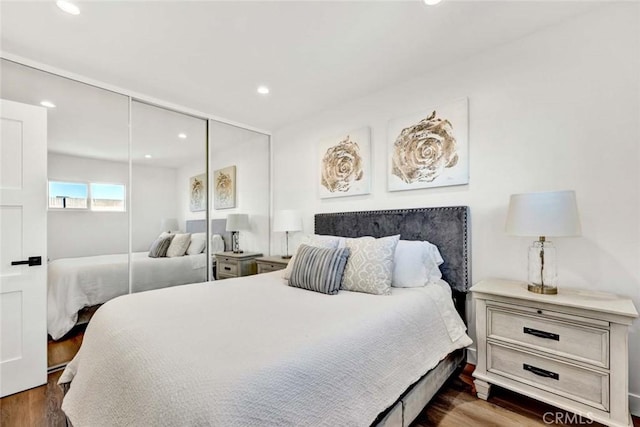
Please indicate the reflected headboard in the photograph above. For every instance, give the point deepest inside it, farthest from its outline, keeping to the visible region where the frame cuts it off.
(218, 226)
(445, 227)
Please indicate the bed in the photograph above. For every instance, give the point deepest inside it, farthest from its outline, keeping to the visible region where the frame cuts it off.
(254, 351)
(77, 284)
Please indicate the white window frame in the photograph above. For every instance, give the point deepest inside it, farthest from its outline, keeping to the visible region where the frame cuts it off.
(89, 207)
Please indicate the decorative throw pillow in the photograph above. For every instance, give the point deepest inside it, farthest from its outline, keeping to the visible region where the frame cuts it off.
(197, 244)
(160, 246)
(370, 265)
(319, 269)
(416, 264)
(319, 241)
(179, 245)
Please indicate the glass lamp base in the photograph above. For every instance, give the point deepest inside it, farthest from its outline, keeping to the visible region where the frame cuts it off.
(540, 289)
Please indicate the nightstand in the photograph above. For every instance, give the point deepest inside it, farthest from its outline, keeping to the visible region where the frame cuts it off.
(229, 264)
(271, 263)
(569, 350)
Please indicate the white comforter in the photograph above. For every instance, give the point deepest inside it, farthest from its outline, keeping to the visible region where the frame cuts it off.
(253, 351)
(75, 283)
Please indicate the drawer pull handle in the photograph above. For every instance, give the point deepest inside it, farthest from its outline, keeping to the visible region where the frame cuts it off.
(541, 334)
(540, 372)
(227, 268)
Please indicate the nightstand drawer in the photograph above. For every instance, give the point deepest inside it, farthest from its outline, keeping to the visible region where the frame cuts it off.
(227, 268)
(559, 338)
(267, 268)
(582, 385)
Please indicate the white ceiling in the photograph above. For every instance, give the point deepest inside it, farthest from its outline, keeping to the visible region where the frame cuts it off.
(212, 55)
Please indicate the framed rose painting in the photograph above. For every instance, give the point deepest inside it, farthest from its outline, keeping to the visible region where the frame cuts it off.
(224, 188)
(198, 193)
(430, 149)
(345, 164)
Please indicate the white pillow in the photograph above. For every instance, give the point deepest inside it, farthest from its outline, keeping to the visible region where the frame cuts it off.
(179, 245)
(197, 244)
(217, 244)
(416, 264)
(319, 241)
(370, 265)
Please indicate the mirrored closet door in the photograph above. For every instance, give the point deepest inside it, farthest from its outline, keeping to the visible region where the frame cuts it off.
(88, 192)
(239, 177)
(168, 198)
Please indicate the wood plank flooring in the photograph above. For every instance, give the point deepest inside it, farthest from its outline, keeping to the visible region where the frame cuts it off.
(454, 406)
(62, 351)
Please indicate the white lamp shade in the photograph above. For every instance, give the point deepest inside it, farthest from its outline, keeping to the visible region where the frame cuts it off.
(287, 220)
(553, 213)
(170, 224)
(236, 222)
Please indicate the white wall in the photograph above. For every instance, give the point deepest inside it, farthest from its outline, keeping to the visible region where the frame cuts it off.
(559, 109)
(86, 233)
(153, 198)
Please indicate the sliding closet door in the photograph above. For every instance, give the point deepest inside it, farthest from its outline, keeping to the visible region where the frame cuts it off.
(239, 176)
(168, 198)
(88, 188)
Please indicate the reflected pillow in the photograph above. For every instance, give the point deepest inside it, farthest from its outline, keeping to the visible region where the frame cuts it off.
(197, 244)
(318, 269)
(179, 245)
(159, 247)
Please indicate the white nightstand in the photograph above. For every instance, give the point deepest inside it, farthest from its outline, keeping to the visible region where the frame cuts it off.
(569, 350)
(271, 263)
(229, 264)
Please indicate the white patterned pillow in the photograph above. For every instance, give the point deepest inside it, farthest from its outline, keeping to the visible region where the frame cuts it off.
(179, 245)
(370, 265)
(318, 241)
(198, 243)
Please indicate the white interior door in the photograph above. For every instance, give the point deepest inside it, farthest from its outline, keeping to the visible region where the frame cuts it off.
(23, 238)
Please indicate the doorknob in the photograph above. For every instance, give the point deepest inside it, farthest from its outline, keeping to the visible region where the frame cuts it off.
(33, 260)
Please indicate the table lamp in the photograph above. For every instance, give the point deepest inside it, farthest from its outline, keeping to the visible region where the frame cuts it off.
(543, 214)
(170, 225)
(235, 223)
(287, 220)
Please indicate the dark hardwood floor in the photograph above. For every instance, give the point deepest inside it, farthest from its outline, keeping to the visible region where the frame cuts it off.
(454, 406)
(61, 352)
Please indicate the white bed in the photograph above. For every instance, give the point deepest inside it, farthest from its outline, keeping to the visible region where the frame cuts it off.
(254, 351)
(76, 283)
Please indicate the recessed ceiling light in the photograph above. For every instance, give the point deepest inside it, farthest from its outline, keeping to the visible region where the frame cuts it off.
(68, 7)
(182, 135)
(263, 90)
(147, 156)
(431, 2)
(48, 104)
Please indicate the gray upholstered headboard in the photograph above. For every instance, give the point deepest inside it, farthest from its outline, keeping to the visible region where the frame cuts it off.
(445, 227)
(218, 226)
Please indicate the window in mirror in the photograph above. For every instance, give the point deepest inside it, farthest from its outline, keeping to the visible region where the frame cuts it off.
(68, 195)
(108, 197)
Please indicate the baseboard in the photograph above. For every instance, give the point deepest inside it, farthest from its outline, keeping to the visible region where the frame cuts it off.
(472, 356)
(634, 404)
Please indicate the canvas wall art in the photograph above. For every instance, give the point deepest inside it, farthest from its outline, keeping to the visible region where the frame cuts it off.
(345, 164)
(429, 149)
(224, 188)
(198, 193)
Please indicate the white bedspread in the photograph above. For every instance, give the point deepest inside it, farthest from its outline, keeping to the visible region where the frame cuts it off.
(75, 283)
(254, 352)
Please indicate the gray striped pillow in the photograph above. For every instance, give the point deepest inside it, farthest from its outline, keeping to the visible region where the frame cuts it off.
(160, 246)
(319, 269)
